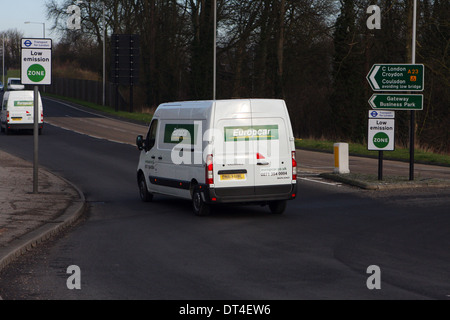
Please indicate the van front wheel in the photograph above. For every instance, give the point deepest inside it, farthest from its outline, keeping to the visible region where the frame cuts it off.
(199, 206)
(277, 207)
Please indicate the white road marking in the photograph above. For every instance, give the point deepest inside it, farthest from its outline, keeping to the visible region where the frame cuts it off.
(89, 135)
(323, 182)
(92, 113)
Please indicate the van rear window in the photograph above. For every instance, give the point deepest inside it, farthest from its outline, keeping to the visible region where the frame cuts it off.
(18, 103)
(250, 133)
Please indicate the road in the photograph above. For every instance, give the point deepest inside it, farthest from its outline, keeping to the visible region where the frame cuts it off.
(320, 248)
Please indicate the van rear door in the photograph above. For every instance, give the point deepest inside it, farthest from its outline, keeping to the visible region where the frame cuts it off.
(21, 110)
(272, 147)
(233, 156)
(254, 153)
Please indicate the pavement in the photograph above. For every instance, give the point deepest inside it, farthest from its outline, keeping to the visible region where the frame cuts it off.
(27, 218)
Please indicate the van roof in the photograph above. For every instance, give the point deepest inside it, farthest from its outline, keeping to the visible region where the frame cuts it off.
(202, 109)
(21, 93)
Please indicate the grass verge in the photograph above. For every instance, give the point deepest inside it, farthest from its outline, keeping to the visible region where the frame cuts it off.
(420, 156)
(140, 117)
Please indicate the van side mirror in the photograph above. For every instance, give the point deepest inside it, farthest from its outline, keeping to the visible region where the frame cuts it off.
(140, 142)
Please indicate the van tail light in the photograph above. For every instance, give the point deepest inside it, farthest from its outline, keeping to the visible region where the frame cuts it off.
(294, 167)
(42, 117)
(7, 116)
(209, 173)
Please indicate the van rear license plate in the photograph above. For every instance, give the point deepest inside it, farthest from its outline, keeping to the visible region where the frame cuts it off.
(234, 176)
(16, 118)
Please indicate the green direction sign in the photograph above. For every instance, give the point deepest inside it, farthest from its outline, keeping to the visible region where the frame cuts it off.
(396, 101)
(396, 77)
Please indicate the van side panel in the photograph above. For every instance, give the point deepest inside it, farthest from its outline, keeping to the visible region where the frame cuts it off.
(178, 155)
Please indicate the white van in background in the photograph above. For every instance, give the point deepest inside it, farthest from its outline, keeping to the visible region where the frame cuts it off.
(15, 84)
(17, 112)
(223, 151)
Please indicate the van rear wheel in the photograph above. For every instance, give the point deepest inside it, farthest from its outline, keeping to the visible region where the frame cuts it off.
(278, 207)
(143, 191)
(199, 206)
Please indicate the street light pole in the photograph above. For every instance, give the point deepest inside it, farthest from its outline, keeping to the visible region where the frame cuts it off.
(104, 54)
(412, 124)
(3, 60)
(215, 51)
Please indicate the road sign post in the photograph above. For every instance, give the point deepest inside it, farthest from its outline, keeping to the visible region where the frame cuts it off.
(36, 69)
(398, 77)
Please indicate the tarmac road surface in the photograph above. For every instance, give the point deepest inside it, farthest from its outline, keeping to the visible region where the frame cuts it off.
(319, 249)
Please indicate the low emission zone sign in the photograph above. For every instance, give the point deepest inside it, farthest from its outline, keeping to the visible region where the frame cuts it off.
(396, 77)
(36, 61)
(381, 134)
(396, 101)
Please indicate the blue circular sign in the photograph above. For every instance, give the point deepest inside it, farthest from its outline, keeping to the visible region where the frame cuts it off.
(374, 114)
(28, 43)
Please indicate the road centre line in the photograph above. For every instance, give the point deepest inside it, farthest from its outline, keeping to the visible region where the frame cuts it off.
(89, 135)
(97, 124)
(88, 112)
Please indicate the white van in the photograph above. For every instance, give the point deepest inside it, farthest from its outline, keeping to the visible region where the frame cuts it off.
(15, 84)
(17, 111)
(223, 151)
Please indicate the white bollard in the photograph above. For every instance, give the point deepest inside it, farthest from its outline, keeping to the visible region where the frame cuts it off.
(341, 158)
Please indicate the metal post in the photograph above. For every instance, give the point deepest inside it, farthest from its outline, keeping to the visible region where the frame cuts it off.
(380, 165)
(104, 55)
(3, 58)
(412, 124)
(36, 141)
(131, 98)
(215, 50)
